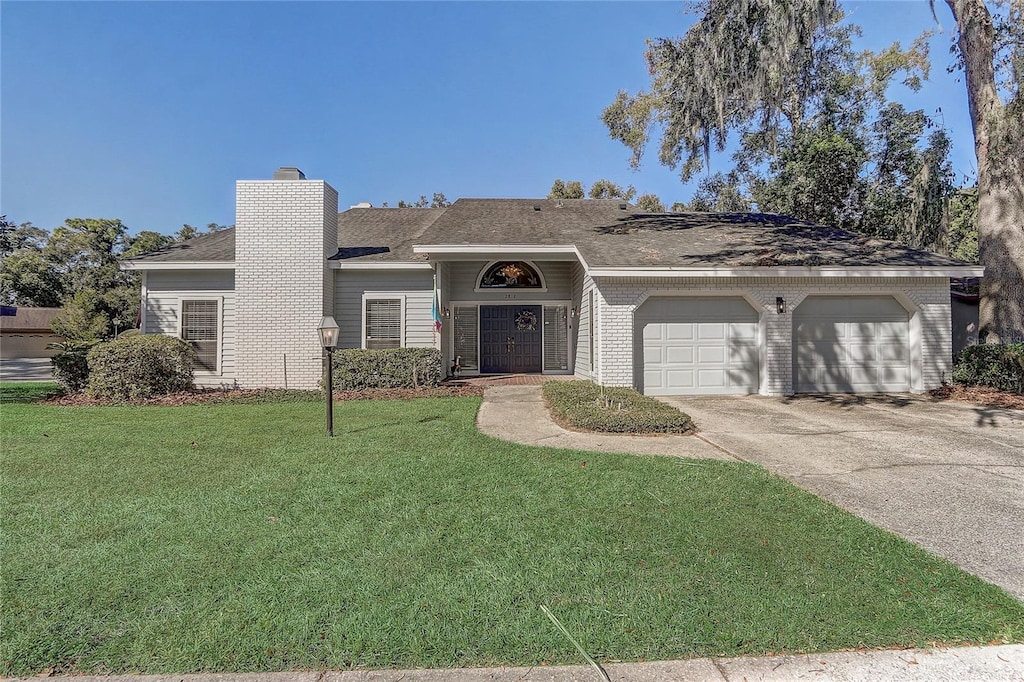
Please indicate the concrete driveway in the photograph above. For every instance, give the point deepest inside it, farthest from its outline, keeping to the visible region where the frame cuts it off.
(26, 369)
(946, 475)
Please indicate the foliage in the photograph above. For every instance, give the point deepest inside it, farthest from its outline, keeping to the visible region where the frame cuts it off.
(566, 190)
(184, 234)
(439, 200)
(999, 366)
(84, 318)
(606, 189)
(782, 80)
(244, 540)
(29, 279)
(586, 406)
(388, 368)
(77, 268)
(963, 225)
(817, 138)
(17, 237)
(135, 367)
(650, 203)
(147, 241)
(71, 364)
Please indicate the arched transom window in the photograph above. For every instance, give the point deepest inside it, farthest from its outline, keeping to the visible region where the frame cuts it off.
(507, 274)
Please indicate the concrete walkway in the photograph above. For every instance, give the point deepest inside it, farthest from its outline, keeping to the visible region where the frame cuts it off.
(518, 414)
(989, 664)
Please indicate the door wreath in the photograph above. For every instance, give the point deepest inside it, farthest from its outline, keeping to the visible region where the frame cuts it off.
(526, 321)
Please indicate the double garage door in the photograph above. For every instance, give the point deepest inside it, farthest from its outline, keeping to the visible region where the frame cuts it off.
(851, 344)
(710, 346)
(696, 346)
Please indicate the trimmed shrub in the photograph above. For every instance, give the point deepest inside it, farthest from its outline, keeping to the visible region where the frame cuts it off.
(136, 367)
(389, 368)
(994, 365)
(585, 406)
(71, 365)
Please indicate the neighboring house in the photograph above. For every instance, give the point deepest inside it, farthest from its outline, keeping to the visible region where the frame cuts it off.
(686, 303)
(26, 333)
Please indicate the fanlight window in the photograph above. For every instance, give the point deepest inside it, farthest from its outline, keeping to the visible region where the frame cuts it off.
(511, 275)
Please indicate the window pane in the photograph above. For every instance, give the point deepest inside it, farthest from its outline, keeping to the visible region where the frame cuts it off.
(199, 327)
(466, 336)
(383, 323)
(556, 338)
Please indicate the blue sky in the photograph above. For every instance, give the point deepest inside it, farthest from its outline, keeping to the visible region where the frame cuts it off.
(149, 112)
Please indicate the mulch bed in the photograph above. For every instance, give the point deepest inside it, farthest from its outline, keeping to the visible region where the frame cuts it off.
(239, 396)
(979, 395)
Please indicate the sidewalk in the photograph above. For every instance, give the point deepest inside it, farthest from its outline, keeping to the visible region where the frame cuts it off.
(981, 664)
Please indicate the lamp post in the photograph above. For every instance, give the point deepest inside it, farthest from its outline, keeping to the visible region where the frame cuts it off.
(328, 340)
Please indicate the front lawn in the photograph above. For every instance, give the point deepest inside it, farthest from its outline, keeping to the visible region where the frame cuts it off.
(239, 538)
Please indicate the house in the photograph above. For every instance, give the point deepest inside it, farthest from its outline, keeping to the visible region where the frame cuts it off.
(685, 303)
(26, 332)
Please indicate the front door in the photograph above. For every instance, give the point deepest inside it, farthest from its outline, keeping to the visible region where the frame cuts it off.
(511, 340)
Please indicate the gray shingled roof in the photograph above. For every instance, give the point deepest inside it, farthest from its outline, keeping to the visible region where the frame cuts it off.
(216, 246)
(606, 235)
(383, 234)
(609, 236)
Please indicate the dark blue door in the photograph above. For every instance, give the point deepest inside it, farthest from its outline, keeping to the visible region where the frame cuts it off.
(511, 339)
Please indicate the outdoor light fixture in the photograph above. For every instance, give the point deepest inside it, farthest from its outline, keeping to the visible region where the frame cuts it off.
(780, 305)
(328, 340)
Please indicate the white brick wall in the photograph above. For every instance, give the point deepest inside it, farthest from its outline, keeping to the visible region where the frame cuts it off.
(284, 231)
(928, 299)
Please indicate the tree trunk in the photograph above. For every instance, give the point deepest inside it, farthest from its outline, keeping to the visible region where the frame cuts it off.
(998, 145)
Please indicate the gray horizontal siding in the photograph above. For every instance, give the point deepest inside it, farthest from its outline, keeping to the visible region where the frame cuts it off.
(557, 276)
(417, 286)
(164, 291)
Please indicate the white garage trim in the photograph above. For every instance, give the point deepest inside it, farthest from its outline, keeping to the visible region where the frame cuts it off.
(913, 340)
(693, 341)
(758, 306)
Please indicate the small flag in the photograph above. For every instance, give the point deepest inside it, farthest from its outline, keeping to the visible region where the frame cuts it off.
(436, 310)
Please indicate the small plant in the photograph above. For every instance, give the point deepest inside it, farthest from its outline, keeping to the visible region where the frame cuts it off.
(356, 369)
(71, 365)
(999, 366)
(136, 367)
(586, 406)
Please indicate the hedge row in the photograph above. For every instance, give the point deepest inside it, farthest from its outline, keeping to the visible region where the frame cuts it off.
(586, 406)
(127, 368)
(390, 368)
(137, 367)
(999, 366)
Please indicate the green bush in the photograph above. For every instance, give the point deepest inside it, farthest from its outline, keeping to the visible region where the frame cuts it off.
(994, 365)
(586, 406)
(391, 368)
(71, 365)
(135, 367)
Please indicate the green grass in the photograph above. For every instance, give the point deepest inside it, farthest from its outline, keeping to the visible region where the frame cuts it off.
(585, 406)
(239, 538)
(27, 391)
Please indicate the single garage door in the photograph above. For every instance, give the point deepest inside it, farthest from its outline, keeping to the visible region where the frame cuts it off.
(851, 344)
(696, 346)
(27, 345)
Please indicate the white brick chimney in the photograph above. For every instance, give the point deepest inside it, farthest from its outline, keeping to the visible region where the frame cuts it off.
(285, 229)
